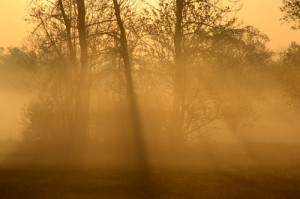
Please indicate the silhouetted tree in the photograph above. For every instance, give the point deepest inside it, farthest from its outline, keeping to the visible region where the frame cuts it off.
(291, 11)
(238, 58)
(71, 29)
(18, 68)
(289, 72)
(181, 32)
(134, 116)
(83, 89)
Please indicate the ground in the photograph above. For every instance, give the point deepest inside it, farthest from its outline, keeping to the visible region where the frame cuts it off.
(261, 183)
(272, 172)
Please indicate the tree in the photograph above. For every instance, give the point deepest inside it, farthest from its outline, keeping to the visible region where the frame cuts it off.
(291, 11)
(69, 30)
(289, 73)
(53, 40)
(83, 89)
(179, 79)
(181, 32)
(18, 67)
(131, 96)
(238, 58)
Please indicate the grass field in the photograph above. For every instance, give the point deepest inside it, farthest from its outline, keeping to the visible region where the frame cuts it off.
(275, 174)
(162, 183)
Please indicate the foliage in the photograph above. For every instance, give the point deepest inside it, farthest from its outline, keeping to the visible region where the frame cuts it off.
(289, 72)
(291, 11)
(222, 58)
(17, 68)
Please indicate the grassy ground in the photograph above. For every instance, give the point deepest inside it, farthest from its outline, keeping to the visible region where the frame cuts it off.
(273, 172)
(45, 183)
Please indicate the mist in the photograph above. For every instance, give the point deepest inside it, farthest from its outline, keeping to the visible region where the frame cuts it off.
(125, 99)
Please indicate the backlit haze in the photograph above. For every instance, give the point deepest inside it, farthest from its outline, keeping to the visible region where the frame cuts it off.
(263, 14)
(122, 99)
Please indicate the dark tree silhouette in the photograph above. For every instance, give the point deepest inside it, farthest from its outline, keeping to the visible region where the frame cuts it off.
(289, 72)
(291, 11)
(131, 96)
(179, 80)
(83, 90)
(181, 33)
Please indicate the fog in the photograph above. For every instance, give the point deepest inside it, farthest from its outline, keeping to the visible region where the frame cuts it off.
(150, 94)
(12, 105)
(263, 132)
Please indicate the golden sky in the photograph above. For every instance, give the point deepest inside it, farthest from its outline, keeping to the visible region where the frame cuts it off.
(13, 28)
(263, 14)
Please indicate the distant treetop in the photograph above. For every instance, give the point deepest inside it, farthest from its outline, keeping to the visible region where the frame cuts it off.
(291, 11)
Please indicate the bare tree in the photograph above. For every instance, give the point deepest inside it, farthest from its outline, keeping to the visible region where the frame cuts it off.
(131, 96)
(179, 80)
(83, 90)
(181, 33)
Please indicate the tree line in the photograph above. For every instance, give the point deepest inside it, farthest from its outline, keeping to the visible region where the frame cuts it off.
(115, 70)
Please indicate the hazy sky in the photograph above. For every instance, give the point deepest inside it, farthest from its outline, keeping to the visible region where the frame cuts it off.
(263, 14)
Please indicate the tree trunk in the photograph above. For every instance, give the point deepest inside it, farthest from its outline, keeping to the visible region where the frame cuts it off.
(67, 24)
(83, 87)
(70, 76)
(176, 129)
(133, 109)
